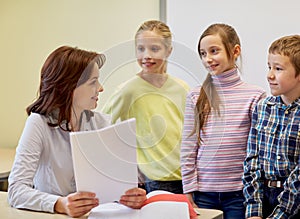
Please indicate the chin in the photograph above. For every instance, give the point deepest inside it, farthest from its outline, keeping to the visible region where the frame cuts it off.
(92, 108)
(274, 93)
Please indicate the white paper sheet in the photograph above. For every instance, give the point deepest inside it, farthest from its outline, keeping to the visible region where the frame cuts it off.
(105, 160)
(154, 210)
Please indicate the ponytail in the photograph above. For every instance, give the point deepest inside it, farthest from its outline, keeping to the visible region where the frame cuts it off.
(207, 100)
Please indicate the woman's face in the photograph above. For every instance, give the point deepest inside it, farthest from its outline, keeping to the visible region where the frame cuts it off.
(151, 52)
(85, 96)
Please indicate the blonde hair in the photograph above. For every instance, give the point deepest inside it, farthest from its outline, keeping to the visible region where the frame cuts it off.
(160, 28)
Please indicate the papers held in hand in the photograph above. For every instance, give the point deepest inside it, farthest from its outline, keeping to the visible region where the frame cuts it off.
(105, 160)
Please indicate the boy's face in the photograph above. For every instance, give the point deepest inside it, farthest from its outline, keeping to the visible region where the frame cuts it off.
(281, 78)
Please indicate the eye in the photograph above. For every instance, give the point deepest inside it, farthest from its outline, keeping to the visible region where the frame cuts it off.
(93, 82)
(202, 54)
(140, 48)
(278, 69)
(214, 51)
(155, 48)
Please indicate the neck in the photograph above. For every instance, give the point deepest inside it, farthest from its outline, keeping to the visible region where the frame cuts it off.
(75, 121)
(156, 79)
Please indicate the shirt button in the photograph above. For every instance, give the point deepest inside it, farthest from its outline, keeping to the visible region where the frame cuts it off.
(286, 112)
(278, 157)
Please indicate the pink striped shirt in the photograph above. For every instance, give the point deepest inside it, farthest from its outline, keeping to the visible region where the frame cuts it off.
(217, 164)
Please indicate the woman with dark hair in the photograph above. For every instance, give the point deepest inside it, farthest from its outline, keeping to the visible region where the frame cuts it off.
(42, 176)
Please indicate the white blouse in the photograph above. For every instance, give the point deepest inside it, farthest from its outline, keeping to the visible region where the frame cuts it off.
(43, 166)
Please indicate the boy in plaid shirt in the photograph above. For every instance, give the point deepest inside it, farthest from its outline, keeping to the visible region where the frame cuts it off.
(271, 169)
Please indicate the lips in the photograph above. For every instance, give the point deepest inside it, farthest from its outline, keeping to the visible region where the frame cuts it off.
(212, 67)
(95, 98)
(272, 85)
(148, 64)
(271, 82)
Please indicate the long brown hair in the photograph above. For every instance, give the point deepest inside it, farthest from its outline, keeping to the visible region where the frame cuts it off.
(65, 69)
(209, 98)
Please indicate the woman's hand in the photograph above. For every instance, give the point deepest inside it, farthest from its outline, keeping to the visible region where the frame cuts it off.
(133, 198)
(76, 204)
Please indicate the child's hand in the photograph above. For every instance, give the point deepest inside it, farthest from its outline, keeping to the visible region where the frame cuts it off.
(190, 198)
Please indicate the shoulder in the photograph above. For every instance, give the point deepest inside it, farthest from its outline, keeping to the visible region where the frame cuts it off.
(270, 100)
(35, 131)
(194, 93)
(36, 119)
(253, 88)
(129, 86)
(267, 102)
(180, 82)
(135, 80)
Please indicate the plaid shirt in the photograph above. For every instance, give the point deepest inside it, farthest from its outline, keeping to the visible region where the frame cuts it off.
(273, 152)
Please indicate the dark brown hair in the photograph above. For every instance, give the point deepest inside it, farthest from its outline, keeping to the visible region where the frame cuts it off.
(208, 98)
(65, 69)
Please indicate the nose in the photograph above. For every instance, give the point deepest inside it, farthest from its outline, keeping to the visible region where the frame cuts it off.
(100, 89)
(207, 58)
(270, 75)
(147, 54)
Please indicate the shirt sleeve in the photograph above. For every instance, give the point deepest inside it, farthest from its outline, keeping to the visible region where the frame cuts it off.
(260, 96)
(189, 150)
(253, 190)
(21, 192)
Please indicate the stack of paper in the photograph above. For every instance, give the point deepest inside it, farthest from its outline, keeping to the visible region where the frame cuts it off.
(105, 160)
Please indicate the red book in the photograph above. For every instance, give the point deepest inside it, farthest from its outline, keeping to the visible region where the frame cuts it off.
(172, 197)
